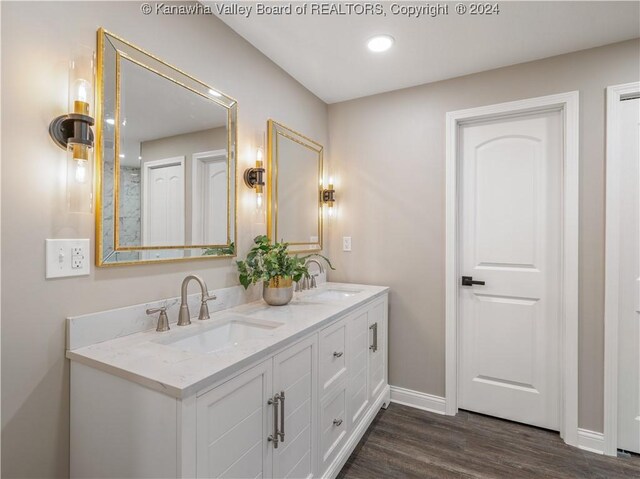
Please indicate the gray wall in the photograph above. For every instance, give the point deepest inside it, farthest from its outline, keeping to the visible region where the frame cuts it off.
(388, 155)
(36, 41)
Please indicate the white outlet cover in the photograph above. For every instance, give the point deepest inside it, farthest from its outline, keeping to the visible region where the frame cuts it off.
(346, 243)
(59, 257)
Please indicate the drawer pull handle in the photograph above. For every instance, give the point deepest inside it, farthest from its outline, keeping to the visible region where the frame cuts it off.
(281, 433)
(337, 422)
(374, 328)
(274, 437)
(337, 354)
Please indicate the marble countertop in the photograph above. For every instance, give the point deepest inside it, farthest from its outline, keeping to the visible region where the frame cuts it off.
(148, 358)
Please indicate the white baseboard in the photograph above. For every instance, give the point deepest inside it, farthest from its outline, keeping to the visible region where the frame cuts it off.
(424, 401)
(591, 441)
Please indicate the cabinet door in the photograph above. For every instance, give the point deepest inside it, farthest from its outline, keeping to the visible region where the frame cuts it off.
(357, 355)
(377, 318)
(233, 423)
(295, 378)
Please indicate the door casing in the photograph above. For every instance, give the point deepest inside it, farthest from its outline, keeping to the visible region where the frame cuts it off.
(567, 103)
(615, 94)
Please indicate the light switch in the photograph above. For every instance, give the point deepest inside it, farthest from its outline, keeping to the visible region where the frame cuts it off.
(346, 243)
(67, 257)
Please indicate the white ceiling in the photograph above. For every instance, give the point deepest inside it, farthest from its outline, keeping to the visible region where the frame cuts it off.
(328, 54)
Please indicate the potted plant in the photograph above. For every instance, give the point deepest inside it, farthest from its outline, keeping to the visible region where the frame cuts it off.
(276, 268)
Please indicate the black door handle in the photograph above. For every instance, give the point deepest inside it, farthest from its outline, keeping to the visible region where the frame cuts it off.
(468, 281)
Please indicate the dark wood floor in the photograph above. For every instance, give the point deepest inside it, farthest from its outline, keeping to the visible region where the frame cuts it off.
(404, 442)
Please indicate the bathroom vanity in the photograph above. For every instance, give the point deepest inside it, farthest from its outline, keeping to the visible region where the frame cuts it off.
(255, 391)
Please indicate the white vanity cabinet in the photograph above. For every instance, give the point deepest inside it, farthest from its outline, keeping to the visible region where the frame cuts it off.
(261, 423)
(296, 412)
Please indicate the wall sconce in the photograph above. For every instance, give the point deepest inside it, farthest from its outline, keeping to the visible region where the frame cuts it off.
(254, 178)
(329, 198)
(72, 132)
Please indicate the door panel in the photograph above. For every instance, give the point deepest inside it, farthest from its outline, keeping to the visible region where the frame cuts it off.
(377, 334)
(294, 372)
(511, 171)
(233, 423)
(629, 280)
(505, 217)
(357, 350)
(163, 214)
(215, 203)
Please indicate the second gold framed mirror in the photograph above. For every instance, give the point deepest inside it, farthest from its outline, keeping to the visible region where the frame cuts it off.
(294, 188)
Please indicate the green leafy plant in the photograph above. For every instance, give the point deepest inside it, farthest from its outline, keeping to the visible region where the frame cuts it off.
(224, 251)
(266, 261)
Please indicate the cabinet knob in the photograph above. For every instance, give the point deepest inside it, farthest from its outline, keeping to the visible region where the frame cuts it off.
(337, 354)
(337, 422)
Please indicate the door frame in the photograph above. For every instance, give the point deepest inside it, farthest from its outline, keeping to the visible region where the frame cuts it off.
(615, 94)
(568, 104)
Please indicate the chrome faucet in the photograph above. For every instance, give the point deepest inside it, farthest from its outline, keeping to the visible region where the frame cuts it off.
(184, 317)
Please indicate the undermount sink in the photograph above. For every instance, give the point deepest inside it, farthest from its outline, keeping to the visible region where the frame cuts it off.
(226, 334)
(332, 294)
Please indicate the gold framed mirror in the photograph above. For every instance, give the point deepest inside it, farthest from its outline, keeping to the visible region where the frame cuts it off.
(294, 188)
(165, 160)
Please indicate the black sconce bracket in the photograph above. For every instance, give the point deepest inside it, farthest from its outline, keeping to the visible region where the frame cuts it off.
(328, 196)
(72, 128)
(254, 177)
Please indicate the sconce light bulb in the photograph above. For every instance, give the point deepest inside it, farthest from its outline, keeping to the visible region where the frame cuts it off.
(82, 89)
(81, 171)
(259, 199)
(259, 155)
(331, 180)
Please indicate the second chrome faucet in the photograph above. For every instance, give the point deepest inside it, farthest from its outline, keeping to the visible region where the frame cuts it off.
(184, 316)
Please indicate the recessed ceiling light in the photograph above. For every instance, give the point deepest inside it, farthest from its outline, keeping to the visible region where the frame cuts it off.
(121, 155)
(111, 121)
(214, 93)
(380, 43)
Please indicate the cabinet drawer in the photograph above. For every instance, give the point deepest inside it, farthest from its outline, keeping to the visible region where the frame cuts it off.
(333, 361)
(333, 424)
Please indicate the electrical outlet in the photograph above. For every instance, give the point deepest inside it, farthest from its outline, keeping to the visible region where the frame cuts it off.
(77, 257)
(346, 243)
(67, 257)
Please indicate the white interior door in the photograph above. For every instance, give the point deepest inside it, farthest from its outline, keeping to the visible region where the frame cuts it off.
(511, 171)
(163, 205)
(209, 198)
(629, 280)
(215, 202)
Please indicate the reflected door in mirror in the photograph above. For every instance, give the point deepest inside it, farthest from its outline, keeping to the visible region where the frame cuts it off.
(163, 205)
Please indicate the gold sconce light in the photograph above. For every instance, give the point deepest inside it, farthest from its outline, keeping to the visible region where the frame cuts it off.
(329, 198)
(72, 132)
(254, 178)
